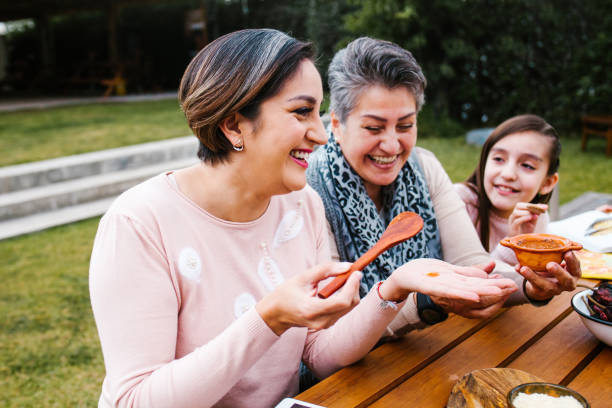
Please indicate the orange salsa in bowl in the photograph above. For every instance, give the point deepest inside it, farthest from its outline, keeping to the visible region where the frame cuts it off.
(537, 250)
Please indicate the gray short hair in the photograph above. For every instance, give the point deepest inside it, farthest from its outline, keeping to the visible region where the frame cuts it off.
(366, 62)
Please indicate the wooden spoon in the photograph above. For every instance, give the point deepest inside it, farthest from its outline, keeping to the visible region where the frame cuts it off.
(404, 226)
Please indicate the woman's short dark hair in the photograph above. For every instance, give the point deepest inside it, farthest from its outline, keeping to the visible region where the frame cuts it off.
(366, 62)
(516, 124)
(234, 74)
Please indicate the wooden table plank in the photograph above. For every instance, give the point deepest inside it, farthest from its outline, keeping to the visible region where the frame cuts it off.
(495, 343)
(595, 381)
(559, 352)
(387, 366)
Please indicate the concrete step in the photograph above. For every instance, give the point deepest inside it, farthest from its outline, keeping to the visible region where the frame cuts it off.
(38, 222)
(35, 196)
(81, 190)
(48, 172)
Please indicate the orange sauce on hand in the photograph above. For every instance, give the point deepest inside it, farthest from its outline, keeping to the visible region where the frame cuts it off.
(433, 274)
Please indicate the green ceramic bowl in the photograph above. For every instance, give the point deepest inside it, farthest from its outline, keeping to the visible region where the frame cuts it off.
(554, 390)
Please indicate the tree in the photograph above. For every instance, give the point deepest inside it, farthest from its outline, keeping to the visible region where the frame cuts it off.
(487, 60)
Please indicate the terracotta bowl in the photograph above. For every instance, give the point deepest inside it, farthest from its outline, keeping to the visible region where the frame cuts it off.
(553, 390)
(536, 250)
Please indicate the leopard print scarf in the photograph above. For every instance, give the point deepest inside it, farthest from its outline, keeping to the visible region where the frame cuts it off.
(355, 221)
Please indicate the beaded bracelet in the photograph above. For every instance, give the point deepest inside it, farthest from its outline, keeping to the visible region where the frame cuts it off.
(385, 303)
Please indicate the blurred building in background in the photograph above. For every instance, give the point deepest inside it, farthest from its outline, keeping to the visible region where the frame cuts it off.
(110, 46)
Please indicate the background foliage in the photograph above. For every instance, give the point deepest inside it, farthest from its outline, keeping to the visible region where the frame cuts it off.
(485, 60)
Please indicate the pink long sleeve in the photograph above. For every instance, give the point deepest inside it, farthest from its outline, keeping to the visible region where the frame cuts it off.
(350, 338)
(137, 305)
(173, 289)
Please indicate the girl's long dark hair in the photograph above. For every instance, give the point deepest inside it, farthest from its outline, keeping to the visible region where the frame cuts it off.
(516, 124)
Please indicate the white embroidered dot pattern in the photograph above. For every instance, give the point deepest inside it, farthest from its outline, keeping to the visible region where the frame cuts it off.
(190, 265)
(268, 270)
(290, 226)
(243, 303)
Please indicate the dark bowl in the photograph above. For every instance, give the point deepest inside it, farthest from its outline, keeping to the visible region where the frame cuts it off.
(601, 329)
(554, 390)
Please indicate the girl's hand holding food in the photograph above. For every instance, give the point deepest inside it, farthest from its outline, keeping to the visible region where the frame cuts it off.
(295, 303)
(524, 218)
(559, 278)
(438, 278)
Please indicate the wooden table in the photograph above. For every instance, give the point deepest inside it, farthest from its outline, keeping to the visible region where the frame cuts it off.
(599, 125)
(420, 369)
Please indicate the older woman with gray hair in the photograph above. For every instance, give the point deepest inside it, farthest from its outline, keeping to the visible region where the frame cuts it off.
(370, 171)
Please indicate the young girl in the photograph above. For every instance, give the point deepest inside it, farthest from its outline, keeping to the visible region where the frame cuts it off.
(508, 192)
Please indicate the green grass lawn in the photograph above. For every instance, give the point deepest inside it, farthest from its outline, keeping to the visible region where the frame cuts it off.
(44, 134)
(50, 354)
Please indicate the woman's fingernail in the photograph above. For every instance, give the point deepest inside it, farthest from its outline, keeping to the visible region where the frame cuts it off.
(341, 267)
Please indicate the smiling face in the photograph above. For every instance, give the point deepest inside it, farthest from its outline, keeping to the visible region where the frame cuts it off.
(516, 170)
(278, 142)
(378, 135)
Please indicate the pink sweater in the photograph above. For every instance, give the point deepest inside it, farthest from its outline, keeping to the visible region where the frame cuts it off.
(173, 289)
(498, 226)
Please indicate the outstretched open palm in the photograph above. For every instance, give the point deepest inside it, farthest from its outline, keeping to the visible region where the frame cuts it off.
(441, 279)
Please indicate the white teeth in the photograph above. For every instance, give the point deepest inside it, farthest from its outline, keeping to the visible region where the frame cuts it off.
(298, 154)
(383, 159)
(504, 188)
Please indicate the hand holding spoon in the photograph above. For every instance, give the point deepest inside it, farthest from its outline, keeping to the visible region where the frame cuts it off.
(404, 226)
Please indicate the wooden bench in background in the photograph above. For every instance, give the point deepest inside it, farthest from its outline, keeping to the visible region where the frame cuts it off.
(599, 125)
